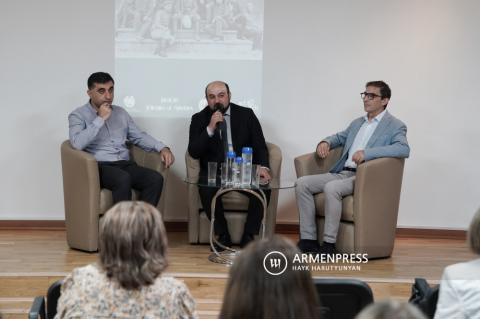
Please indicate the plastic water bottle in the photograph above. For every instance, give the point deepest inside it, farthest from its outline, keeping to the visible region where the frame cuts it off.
(230, 163)
(247, 156)
(237, 172)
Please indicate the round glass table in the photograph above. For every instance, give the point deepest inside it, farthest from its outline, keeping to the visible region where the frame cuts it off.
(228, 254)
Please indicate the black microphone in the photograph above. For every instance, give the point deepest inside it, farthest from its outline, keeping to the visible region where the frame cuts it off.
(218, 107)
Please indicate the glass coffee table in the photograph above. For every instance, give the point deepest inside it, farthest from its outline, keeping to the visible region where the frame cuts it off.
(228, 254)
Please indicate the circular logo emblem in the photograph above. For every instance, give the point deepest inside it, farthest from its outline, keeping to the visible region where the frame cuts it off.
(129, 101)
(275, 263)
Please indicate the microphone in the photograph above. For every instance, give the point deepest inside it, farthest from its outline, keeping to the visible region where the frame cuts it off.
(218, 107)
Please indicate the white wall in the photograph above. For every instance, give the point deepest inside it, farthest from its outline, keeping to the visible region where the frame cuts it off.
(317, 56)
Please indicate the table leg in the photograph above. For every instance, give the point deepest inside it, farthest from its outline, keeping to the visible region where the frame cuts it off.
(227, 256)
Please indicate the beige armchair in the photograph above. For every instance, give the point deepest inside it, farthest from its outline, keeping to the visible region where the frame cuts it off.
(369, 216)
(85, 202)
(234, 203)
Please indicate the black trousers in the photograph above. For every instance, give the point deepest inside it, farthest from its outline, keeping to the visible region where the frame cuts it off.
(254, 217)
(121, 176)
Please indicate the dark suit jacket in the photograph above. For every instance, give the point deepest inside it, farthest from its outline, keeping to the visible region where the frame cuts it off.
(246, 131)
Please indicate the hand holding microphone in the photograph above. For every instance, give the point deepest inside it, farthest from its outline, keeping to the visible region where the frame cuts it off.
(217, 117)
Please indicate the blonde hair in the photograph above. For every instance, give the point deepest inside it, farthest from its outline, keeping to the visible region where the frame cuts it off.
(133, 244)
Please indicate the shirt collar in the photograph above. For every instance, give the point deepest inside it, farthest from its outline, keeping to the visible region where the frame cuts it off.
(92, 108)
(227, 112)
(377, 118)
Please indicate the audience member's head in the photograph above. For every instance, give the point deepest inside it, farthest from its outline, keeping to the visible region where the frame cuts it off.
(474, 233)
(391, 309)
(133, 244)
(255, 294)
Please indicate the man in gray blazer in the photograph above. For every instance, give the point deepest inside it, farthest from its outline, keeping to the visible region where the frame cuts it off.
(377, 134)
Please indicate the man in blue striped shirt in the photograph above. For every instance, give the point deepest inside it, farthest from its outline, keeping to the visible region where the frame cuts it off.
(102, 129)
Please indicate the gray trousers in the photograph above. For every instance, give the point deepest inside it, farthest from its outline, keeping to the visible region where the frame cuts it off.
(334, 186)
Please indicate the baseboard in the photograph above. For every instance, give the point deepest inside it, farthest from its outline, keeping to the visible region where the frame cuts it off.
(287, 229)
(182, 226)
(431, 233)
(33, 224)
(175, 226)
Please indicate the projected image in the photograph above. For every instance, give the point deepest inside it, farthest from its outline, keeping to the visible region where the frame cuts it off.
(167, 51)
(190, 29)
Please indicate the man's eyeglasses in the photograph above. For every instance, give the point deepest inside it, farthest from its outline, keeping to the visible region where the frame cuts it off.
(369, 96)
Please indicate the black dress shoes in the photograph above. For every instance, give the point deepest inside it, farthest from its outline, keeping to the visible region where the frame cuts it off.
(246, 239)
(223, 239)
(328, 249)
(309, 246)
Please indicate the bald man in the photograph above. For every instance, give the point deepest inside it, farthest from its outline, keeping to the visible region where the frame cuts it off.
(206, 144)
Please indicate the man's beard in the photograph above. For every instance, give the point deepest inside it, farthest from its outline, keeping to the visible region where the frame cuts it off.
(220, 107)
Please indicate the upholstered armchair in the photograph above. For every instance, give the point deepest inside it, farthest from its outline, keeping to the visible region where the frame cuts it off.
(235, 204)
(85, 201)
(369, 216)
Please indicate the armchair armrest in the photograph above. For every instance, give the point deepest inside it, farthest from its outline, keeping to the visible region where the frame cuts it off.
(81, 188)
(311, 164)
(150, 160)
(275, 162)
(377, 190)
(193, 167)
(193, 174)
(275, 159)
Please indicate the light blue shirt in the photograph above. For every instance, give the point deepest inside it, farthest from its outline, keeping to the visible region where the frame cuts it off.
(362, 137)
(106, 139)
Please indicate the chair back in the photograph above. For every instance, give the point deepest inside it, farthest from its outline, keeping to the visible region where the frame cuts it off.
(53, 294)
(39, 310)
(342, 298)
(425, 297)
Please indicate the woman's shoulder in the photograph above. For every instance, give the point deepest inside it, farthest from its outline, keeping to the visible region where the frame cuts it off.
(88, 270)
(87, 275)
(175, 295)
(169, 284)
(465, 270)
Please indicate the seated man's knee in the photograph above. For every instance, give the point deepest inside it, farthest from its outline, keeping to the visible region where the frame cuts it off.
(123, 181)
(157, 180)
(301, 184)
(331, 188)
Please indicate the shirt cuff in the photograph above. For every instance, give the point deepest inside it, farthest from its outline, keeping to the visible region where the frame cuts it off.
(160, 146)
(209, 132)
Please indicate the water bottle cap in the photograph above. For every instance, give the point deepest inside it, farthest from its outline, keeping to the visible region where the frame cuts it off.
(247, 150)
(231, 154)
(238, 160)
